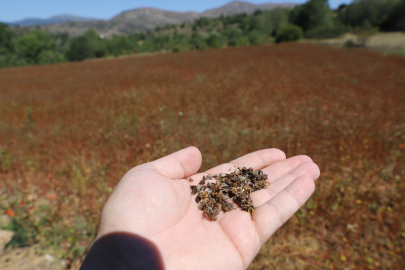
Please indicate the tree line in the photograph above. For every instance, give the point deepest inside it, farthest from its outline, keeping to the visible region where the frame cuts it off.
(314, 19)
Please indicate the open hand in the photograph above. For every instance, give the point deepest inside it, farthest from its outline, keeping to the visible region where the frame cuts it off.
(154, 201)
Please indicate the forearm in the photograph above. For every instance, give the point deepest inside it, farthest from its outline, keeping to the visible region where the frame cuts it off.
(122, 250)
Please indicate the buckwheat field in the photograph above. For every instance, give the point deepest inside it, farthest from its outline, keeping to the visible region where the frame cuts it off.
(69, 132)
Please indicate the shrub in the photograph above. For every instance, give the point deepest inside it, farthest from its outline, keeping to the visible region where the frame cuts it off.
(335, 30)
(350, 44)
(257, 38)
(214, 41)
(79, 49)
(198, 42)
(289, 33)
(6, 38)
(30, 46)
(50, 57)
(233, 34)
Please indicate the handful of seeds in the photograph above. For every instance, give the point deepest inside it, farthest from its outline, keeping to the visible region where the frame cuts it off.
(214, 197)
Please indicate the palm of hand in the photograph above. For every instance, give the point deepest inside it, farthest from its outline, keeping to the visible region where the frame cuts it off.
(149, 203)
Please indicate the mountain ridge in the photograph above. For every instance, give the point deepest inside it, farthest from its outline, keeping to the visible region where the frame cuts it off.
(54, 19)
(147, 19)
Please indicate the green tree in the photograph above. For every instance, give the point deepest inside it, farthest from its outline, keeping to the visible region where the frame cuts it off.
(376, 12)
(6, 38)
(181, 42)
(50, 57)
(289, 33)
(198, 42)
(98, 44)
(312, 14)
(256, 37)
(233, 34)
(334, 30)
(250, 23)
(214, 41)
(89, 45)
(203, 22)
(119, 45)
(30, 46)
(79, 49)
(270, 21)
(396, 18)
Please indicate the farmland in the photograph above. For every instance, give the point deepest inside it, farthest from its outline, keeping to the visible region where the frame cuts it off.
(69, 132)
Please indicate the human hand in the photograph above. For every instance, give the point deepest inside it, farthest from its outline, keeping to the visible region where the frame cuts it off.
(154, 201)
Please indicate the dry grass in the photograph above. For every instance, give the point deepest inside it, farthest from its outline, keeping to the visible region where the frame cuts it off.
(68, 132)
(388, 43)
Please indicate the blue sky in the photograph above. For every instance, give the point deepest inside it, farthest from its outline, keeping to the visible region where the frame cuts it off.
(15, 10)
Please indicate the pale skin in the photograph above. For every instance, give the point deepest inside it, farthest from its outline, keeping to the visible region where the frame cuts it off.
(153, 200)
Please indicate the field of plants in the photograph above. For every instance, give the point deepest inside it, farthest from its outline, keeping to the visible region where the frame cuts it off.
(68, 133)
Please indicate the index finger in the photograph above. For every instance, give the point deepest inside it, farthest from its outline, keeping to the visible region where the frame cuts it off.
(257, 160)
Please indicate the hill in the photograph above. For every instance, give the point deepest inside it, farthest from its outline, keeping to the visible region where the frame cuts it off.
(52, 20)
(147, 19)
(237, 7)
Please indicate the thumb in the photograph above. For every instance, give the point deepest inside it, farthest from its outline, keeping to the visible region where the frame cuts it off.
(178, 165)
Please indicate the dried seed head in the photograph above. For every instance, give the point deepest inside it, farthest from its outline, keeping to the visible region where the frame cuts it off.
(237, 185)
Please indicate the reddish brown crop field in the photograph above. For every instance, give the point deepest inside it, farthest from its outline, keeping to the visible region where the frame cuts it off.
(68, 132)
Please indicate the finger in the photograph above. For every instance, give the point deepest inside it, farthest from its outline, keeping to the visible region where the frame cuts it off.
(273, 214)
(279, 169)
(308, 169)
(178, 165)
(257, 160)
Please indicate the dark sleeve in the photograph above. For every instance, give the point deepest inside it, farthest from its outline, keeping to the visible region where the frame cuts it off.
(118, 251)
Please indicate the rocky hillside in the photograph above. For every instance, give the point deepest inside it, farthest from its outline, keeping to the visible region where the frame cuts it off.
(147, 19)
(52, 20)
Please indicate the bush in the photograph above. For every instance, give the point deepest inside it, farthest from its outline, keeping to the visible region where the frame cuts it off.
(30, 46)
(289, 33)
(257, 38)
(79, 49)
(6, 38)
(350, 44)
(119, 45)
(214, 41)
(198, 42)
(233, 34)
(50, 57)
(335, 30)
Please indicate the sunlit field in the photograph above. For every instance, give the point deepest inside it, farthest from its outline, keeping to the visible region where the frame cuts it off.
(69, 132)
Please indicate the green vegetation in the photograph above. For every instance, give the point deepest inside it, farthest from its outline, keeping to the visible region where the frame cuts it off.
(289, 33)
(313, 20)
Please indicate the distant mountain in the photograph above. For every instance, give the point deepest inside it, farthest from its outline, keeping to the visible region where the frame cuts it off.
(146, 19)
(270, 6)
(237, 7)
(52, 20)
(149, 18)
(231, 8)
